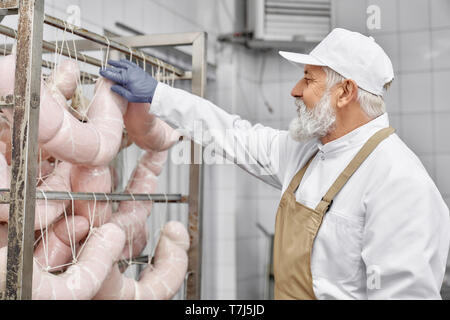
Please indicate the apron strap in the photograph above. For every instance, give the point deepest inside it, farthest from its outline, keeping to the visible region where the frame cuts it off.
(362, 154)
(295, 182)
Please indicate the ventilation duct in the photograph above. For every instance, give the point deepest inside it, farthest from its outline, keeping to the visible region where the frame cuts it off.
(289, 20)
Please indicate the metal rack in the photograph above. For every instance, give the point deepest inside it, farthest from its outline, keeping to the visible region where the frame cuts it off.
(22, 194)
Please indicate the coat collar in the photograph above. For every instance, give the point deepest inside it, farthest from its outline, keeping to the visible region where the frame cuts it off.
(355, 137)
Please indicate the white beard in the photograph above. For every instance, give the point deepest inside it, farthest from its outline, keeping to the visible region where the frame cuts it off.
(315, 123)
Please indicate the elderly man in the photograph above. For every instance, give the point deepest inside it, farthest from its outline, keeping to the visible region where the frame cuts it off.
(359, 216)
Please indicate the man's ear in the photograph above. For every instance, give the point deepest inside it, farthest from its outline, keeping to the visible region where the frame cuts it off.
(347, 92)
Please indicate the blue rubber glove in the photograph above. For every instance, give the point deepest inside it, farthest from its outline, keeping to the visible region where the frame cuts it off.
(133, 83)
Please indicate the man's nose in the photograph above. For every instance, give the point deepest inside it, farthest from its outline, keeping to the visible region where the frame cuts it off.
(297, 91)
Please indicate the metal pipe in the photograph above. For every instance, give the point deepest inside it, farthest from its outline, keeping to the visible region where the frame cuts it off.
(194, 275)
(6, 101)
(9, 5)
(112, 44)
(71, 53)
(145, 41)
(97, 196)
(27, 87)
(141, 259)
(51, 48)
(87, 78)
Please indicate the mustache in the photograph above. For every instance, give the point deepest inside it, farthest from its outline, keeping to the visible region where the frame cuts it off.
(302, 109)
(299, 103)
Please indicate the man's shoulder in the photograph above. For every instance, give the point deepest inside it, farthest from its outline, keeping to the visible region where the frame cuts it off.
(394, 159)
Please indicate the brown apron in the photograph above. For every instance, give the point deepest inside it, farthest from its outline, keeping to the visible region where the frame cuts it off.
(297, 225)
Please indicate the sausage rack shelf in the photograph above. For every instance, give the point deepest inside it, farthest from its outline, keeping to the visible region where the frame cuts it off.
(22, 194)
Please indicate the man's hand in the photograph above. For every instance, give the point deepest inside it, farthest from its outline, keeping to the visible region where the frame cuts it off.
(133, 83)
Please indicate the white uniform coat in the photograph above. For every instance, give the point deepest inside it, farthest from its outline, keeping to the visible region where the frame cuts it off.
(387, 233)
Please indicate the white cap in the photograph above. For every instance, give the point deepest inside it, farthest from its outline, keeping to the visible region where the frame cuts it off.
(352, 55)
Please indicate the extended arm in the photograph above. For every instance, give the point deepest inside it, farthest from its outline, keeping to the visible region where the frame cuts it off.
(259, 150)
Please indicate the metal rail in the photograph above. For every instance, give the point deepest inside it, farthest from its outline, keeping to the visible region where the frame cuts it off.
(49, 46)
(194, 274)
(70, 52)
(138, 260)
(5, 196)
(9, 5)
(27, 89)
(7, 101)
(87, 78)
(104, 41)
(145, 41)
